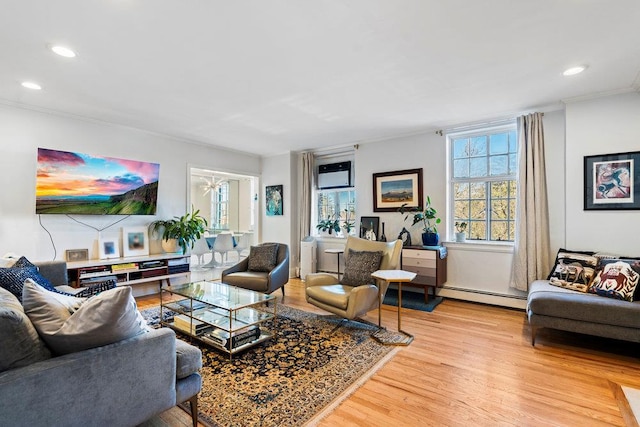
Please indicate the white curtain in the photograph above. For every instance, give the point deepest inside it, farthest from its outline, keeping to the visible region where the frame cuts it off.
(305, 199)
(531, 252)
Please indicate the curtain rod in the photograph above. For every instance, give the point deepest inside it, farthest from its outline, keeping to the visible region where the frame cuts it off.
(473, 126)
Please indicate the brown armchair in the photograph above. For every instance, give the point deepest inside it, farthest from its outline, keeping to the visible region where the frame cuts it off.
(261, 281)
(350, 302)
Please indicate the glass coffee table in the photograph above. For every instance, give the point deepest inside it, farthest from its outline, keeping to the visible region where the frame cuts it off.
(225, 317)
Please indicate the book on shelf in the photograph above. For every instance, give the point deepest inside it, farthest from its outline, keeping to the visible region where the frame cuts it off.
(151, 264)
(126, 266)
(85, 282)
(94, 273)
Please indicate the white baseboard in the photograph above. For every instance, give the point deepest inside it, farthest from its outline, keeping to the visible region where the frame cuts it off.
(510, 301)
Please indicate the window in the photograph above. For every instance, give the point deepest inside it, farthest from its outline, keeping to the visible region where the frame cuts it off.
(337, 204)
(220, 206)
(482, 182)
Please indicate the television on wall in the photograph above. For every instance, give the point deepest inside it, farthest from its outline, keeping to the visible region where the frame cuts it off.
(82, 184)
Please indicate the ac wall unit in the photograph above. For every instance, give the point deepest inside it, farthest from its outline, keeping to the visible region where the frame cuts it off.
(334, 175)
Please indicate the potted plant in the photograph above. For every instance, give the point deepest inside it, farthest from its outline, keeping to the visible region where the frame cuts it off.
(427, 217)
(349, 223)
(461, 227)
(183, 230)
(329, 225)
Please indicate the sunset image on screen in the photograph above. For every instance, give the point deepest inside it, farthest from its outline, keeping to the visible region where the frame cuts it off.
(75, 183)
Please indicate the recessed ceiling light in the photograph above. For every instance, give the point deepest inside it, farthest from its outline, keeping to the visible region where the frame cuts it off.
(31, 85)
(574, 70)
(63, 51)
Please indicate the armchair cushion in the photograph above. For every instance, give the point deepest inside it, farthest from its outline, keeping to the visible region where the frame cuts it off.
(359, 266)
(263, 258)
(334, 295)
(107, 318)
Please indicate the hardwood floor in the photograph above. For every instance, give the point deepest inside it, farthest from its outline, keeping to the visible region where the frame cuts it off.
(473, 364)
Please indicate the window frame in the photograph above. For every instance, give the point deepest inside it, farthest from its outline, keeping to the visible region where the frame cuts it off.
(487, 180)
(316, 210)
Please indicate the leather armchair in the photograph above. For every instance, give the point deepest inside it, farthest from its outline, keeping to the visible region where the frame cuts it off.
(324, 291)
(239, 275)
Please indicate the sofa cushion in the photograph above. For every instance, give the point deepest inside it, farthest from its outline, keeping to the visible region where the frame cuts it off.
(548, 300)
(108, 317)
(188, 359)
(573, 270)
(617, 279)
(263, 258)
(358, 267)
(12, 278)
(20, 344)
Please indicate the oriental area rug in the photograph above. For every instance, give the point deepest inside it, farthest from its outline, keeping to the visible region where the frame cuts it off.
(296, 377)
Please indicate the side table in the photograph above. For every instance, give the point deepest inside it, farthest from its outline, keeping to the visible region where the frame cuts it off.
(399, 277)
(336, 251)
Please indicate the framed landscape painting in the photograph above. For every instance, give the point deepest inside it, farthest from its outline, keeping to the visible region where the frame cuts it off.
(394, 189)
(612, 181)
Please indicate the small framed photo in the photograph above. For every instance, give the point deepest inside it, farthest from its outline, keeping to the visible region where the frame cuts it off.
(135, 241)
(391, 190)
(612, 181)
(73, 255)
(369, 227)
(108, 247)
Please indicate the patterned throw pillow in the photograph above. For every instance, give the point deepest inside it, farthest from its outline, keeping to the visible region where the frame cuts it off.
(359, 266)
(12, 279)
(617, 279)
(263, 258)
(573, 270)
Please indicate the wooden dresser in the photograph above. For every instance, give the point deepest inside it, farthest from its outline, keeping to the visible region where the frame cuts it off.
(430, 265)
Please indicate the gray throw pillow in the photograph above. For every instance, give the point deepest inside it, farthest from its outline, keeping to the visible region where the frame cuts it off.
(359, 266)
(263, 258)
(20, 344)
(106, 318)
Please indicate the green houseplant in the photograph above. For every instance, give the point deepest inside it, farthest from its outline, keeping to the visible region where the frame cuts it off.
(185, 229)
(329, 225)
(349, 223)
(461, 227)
(427, 217)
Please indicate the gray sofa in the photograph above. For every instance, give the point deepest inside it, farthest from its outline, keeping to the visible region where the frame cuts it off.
(553, 307)
(120, 384)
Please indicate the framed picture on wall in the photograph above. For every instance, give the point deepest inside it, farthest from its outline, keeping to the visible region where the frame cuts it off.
(273, 200)
(612, 181)
(135, 241)
(394, 189)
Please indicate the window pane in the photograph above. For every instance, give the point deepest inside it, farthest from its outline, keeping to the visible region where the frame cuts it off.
(512, 187)
(460, 148)
(499, 230)
(513, 163)
(461, 209)
(477, 230)
(499, 209)
(513, 142)
(478, 167)
(461, 168)
(499, 189)
(478, 209)
(498, 144)
(512, 230)
(460, 191)
(512, 208)
(478, 146)
(498, 165)
(478, 191)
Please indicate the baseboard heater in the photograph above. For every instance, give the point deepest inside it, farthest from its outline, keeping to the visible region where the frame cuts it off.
(492, 294)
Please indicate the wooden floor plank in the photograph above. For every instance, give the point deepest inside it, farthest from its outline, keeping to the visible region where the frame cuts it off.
(473, 364)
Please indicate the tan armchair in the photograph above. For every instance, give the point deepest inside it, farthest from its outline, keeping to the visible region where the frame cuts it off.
(261, 281)
(324, 291)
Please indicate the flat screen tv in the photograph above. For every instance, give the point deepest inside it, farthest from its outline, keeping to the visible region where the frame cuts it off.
(75, 183)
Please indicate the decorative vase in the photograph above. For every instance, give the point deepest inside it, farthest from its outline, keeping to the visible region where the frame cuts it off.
(430, 239)
(461, 236)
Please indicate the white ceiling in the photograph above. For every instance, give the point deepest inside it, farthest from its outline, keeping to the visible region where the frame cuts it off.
(267, 77)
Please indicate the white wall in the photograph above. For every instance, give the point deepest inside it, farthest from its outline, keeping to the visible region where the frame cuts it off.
(281, 170)
(601, 126)
(23, 131)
